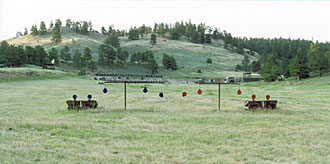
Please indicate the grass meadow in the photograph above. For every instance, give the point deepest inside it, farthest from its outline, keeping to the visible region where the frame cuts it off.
(36, 127)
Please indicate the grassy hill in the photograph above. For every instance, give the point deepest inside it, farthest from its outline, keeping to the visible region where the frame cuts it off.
(190, 57)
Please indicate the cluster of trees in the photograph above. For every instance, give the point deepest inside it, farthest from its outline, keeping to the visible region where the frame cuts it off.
(195, 33)
(56, 30)
(145, 58)
(82, 27)
(111, 29)
(169, 62)
(301, 66)
(82, 61)
(248, 66)
(15, 56)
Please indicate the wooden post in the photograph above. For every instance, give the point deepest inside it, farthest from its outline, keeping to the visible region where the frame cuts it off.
(125, 94)
(219, 97)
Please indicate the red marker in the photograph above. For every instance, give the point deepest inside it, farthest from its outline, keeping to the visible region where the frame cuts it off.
(254, 97)
(199, 91)
(239, 92)
(267, 97)
(184, 94)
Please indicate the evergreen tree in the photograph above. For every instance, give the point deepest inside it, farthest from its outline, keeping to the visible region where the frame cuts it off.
(153, 66)
(318, 62)
(68, 23)
(53, 55)
(112, 40)
(122, 56)
(3, 46)
(133, 34)
(195, 37)
(56, 34)
(153, 39)
(175, 33)
(30, 53)
(101, 53)
(270, 70)
(43, 28)
(92, 66)
(59, 22)
(34, 30)
(84, 28)
(208, 38)
(77, 59)
(26, 31)
(246, 63)
(169, 62)
(90, 26)
(255, 66)
(299, 65)
(11, 56)
(87, 54)
(142, 30)
(51, 25)
(103, 31)
(41, 56)
(65, 54)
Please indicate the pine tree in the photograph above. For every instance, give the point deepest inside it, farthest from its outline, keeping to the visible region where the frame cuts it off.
(112, 40)
(77, 59)
(26, 31)
(133, 34)
(101, 53)
(51, 25)
(246, 63)
(43, 28)
(34, 30)
(318, 62)
(153, 39)
(84, 28)
(65, 54)
(56, 34)
(255, 66)
(41, 56)
(53, 55)
(68, 23)
(87, 54)
(270, 70)
(299, 65)
(103, 31)
(195, 37)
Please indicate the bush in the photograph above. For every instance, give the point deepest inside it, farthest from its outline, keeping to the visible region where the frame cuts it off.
(209, 60)
(82, 72)
(199, 71)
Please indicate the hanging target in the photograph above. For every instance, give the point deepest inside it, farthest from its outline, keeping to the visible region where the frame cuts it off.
(74, 97)
(199, 91)
(253, 97)
(89, 97)
(161, 94)
(145, 90)
(239, 92)
(267, 97)
(184, 94)
(105, 90)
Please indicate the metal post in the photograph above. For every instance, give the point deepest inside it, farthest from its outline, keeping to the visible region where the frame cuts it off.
(219, 97)
(125, 94)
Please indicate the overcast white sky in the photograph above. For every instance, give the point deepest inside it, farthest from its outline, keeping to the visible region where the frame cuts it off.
(294, 19)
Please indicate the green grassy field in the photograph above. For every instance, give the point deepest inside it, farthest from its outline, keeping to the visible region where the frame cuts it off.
(36, 127)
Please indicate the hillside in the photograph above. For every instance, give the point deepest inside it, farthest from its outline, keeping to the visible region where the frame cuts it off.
(190, 57)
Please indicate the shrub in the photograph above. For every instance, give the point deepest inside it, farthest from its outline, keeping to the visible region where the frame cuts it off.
(209, 60)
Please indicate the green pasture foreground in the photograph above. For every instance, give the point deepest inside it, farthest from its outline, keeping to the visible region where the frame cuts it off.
(36, 127)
